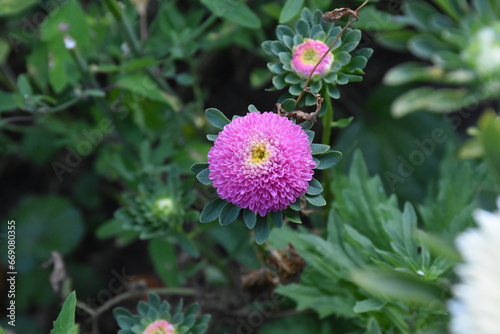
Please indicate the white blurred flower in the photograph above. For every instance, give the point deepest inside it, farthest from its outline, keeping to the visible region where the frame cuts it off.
(476, 306)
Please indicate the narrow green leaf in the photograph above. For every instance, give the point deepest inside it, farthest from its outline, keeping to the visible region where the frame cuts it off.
(261, 230)
(4, 50)
(290, 10)
(10, 7)
(212, 210)
(490, 135)
(142, 85)
(368, 305)
(216, 118)
(228, 214)
(250, 218)
(65, 322)
(134, 64)
(315, 188)
(234, 11)
(343, 122)
(203, 177)
(430, 99)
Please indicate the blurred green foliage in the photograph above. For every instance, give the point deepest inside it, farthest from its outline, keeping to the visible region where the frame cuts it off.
(101, 117)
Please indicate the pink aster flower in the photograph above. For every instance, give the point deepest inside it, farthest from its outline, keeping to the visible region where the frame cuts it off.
(306, 56)
(262, 162)
(160, 327)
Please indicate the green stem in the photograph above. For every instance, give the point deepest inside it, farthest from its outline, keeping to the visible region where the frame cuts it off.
(99, 101)
(327, 118)
(135, 44)
(201, 28)
(8, 78)
(326, 138)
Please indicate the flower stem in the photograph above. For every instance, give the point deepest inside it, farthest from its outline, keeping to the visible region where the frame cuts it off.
(135, 44)
(327, 118)
(326, 138)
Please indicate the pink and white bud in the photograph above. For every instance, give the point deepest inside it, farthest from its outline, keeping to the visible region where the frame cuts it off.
(306, 56)
(160, 327)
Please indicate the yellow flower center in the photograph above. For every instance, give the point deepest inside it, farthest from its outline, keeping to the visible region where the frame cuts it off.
(310, 56)
(259, 153)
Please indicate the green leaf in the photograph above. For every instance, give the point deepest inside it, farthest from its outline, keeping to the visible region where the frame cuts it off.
(10, 101)
(373, 19)
(317, 200)
(302, 28)
(228, 214)
(252, 108)
(216, 118)
(306, 125)
(234, 11)
(395, 40)
(52, 222)
(426, 46)
(368, 305)
(328, 159)
(319, 148)
(396, 285)
(430, 99)
(65, 322)
(310, 135)
(419, 13)
(203, 177)
(134, 64)
(490, 136)
(24, 86)
(10, 7)
(163, 256)
(186, 244)
(412, 72)
(143, 86)
(211, 211)
(276, 218)
(261, 230)
(289, 105)
(315, 188)
(296, 205)
(282, 31)
(4, 50)
(292, 216)
(290, 10)
(109, 229)
(343, 122)
(310, 297)
(63, 70)
(198, 167)
(250, 218)
(212, 137)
